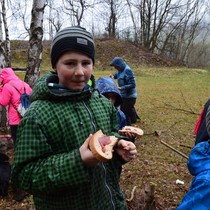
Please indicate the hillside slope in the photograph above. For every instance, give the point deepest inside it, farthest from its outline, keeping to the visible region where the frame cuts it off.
(135, 55)
(106, 50)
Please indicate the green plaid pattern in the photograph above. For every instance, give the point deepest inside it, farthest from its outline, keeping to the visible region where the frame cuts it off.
(47, 161)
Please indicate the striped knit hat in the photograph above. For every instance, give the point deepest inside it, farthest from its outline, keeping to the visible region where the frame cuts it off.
(73, 38)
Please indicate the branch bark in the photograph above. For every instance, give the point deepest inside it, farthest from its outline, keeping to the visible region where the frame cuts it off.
(175, 150)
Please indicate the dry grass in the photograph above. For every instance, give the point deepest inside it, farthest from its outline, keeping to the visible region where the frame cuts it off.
(167, 99)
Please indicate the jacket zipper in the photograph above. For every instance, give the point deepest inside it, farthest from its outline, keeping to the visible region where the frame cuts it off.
(108, 188)
(94, 129)
(91, 116)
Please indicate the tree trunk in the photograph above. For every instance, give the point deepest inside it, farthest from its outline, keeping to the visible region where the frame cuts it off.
(2, 47)
(133, 21)
(7, 40)
(3, 110)
(3, 119)
(35, 42)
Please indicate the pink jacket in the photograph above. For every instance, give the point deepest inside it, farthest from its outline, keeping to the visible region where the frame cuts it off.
(9, 94)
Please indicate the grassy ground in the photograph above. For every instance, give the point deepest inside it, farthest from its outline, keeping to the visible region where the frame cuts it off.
(167, 97)
(169, 101)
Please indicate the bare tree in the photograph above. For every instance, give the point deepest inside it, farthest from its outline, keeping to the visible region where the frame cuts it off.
(75, 10)
(55, 18)
(7, 40)
(169, 26)
(2, 44)
(199, 50)
(110, 12)
(3, 63)
(21, 15)
(133, 21)
(35, 42)
(154, 16)
(184, 32)
(112, 19)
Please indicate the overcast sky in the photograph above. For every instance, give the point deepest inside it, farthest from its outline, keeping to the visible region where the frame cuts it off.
(90, 21)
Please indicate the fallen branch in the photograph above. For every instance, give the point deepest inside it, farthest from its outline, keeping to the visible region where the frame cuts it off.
(187, 105)
(172, 107)
(175, 150)
(182, 145)
(159, 132)
(19, 69)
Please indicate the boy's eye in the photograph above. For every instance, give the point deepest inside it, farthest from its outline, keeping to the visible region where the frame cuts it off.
(85, 63)
(70, 63)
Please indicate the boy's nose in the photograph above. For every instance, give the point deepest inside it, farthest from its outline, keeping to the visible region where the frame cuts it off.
(79, 70)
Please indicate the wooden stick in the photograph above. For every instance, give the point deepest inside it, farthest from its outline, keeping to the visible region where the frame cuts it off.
(175, 150)
(182, 145)
(132, 194)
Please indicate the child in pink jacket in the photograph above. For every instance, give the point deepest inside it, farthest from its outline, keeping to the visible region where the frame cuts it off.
(10, 97)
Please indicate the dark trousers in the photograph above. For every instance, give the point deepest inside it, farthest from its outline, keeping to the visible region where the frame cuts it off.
(128, 108)
(19, 193)
(13, 129)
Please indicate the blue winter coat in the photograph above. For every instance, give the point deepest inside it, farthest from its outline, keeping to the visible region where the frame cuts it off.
(108, 85)
(202, 133)
(199, 166)
(125, 77)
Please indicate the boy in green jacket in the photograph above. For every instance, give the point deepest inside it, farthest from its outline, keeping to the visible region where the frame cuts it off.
(52, 159)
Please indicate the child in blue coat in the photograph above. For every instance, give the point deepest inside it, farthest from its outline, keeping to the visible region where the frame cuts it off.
(199, 166)
(109, 89)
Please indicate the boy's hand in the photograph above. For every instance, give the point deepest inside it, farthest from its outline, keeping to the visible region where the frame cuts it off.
(87, 156)
(126, 149)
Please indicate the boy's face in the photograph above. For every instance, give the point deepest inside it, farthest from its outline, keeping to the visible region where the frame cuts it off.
(111, 97)
(74, 70)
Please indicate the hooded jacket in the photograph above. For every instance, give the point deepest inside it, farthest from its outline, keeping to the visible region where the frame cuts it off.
(125, 78)
(108, 85)
(47, 160)
(199, 166)
(200, 128)
(9, 96)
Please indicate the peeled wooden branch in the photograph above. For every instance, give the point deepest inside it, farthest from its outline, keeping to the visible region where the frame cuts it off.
(132, 194)
(142, 198)
(175, 150)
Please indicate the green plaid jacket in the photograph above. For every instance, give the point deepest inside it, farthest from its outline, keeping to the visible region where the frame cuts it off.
(47, 161)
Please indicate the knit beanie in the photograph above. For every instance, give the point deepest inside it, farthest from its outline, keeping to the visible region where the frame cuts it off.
(73, 38)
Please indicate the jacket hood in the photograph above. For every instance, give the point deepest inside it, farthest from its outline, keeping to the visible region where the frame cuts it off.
(7, 74)
(199, 159)
(108, 85)
(118, 62)
(44, 91)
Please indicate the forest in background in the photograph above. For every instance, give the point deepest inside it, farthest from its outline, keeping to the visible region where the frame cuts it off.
(178, 30)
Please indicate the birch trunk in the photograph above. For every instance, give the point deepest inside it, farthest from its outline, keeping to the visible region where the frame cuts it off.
(3, 110)
(7, 39)
(2, 48)
(35, 42)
